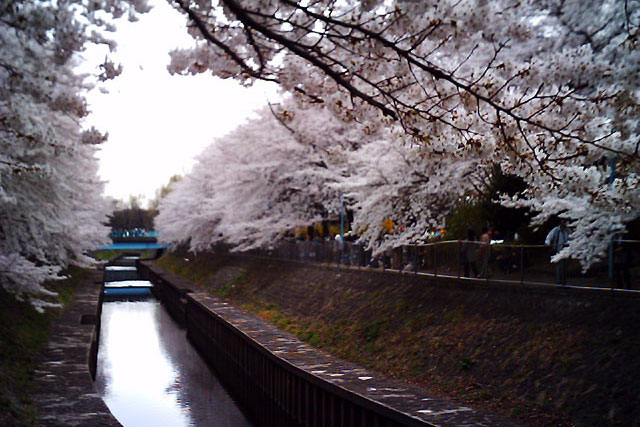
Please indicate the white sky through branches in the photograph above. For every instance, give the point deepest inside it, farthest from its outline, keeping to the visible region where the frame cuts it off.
(157, 122)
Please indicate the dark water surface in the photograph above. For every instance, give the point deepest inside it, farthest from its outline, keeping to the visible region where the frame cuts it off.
(149, 375)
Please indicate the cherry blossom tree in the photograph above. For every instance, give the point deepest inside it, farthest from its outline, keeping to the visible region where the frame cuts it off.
(290, 167)
(547, 89)
(260, 180)
(397, 182)
(50, 196)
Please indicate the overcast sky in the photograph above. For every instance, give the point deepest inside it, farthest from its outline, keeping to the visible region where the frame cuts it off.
(157, 123)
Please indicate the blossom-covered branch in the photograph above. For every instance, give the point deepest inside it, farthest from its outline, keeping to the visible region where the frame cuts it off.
(549, 90)
(438, 65)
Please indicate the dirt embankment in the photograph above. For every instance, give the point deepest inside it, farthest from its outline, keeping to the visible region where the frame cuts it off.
(547, 357)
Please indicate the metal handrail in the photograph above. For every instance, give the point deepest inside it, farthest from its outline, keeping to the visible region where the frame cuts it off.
(505, 262)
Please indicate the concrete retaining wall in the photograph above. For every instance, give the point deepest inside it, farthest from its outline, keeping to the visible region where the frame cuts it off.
(282, 381)
(274, 391)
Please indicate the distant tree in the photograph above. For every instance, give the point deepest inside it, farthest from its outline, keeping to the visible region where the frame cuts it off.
(130, 215)
(135, 202)
(482, 208)
(131, 218)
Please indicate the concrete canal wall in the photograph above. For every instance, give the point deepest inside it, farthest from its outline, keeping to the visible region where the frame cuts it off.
(283, 382)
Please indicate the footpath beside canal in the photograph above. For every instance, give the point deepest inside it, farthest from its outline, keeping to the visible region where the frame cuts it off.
(544, 356)
(63, 387)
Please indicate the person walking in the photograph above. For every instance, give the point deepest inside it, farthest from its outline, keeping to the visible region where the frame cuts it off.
(557, 239)
(469, 248)
(484, 251)
(622, 263)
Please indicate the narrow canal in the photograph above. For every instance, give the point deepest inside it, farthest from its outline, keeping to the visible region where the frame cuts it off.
(148, 373)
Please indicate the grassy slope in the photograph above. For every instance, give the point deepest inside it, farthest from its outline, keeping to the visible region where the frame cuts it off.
(106, 255)
(545, 372)
(23, 332)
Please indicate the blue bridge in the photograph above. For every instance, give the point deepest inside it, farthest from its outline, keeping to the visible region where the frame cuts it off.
(134, 246)
(134, 240)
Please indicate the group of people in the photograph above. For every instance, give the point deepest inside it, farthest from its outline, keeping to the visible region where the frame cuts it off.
(475, 254)
(136, 232)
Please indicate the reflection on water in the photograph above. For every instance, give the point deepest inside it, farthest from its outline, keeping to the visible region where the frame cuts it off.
(149, 375)
(128, 283)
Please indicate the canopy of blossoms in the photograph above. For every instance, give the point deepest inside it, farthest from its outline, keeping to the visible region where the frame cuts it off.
(439, 90)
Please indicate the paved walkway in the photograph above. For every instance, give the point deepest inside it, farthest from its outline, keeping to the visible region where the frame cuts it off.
(63, 392)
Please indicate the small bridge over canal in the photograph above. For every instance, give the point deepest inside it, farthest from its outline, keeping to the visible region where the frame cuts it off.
(134, 240)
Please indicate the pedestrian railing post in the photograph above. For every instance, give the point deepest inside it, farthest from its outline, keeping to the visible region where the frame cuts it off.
(486, 274)
(610, 259)
(324, 253)
(459, 257)
(435, 259)
(521, 264)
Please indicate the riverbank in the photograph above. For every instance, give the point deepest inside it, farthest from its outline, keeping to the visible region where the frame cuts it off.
(547, 358)
(44, 357)
(23, 334)
(23, 331)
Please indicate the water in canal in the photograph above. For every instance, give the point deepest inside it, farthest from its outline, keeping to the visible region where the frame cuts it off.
(149, 375)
